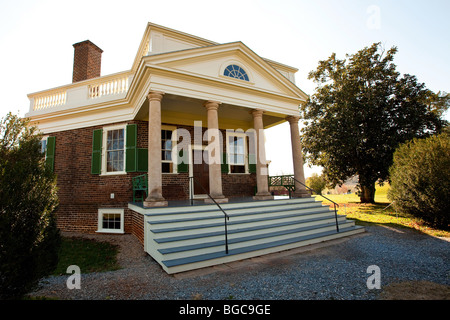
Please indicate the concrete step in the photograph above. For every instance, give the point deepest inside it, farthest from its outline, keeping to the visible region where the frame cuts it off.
(190, 237)
(184, 251)
(210, 259)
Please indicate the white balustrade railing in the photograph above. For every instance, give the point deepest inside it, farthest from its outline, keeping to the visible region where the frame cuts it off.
(75, 95)
(111, 87)
(50, 101)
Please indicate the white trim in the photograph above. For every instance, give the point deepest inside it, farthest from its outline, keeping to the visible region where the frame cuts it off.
(102, 211)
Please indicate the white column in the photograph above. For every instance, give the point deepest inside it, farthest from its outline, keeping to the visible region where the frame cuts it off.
(155, 197)
(297, 158)
(262, 171)
(215, 172)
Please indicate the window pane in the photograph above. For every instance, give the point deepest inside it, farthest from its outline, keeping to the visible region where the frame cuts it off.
(43, 145)
(237, 169)
(111, 221)
(235, 71)
(166, 167)
(115, 145)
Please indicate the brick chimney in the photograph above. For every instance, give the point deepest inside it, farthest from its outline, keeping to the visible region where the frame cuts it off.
(87, 61)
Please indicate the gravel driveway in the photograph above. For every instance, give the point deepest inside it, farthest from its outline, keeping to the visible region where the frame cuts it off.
(333, 270)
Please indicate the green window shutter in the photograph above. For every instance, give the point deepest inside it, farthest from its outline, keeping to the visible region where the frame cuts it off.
(252, 163)
(96, 164)
(131, 144)
(50, 153)
(182, 167)
(224, 165)
(142, 160)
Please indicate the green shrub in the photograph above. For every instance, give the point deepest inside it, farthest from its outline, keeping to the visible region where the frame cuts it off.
(29, 238)
(420, 179)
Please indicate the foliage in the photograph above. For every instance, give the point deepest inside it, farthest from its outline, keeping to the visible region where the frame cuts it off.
(89, 255)
(361, 111)
(420, 179)
(29, 238)
(316, 182)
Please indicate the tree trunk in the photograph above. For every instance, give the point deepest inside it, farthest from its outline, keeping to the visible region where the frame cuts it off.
(367, 193)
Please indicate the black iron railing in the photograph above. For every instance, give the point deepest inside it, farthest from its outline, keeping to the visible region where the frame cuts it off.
(287, 182)
(193, 180)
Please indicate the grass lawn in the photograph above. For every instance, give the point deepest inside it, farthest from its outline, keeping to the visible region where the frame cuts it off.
(378, 213)
(89, 255)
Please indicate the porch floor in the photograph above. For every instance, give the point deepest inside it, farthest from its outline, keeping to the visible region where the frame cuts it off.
(201, 202)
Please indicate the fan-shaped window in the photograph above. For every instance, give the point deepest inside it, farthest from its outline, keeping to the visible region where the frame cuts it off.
(235, 71)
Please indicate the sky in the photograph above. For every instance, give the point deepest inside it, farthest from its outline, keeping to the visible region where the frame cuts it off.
(36, 40)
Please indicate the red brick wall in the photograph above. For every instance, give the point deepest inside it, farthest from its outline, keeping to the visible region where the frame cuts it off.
(81, 193)
(87, 61)
(238, 185)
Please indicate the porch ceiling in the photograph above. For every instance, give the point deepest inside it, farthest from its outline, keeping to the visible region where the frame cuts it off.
(182, 110)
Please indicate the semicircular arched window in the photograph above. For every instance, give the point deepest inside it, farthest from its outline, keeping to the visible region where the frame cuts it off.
(235, 71)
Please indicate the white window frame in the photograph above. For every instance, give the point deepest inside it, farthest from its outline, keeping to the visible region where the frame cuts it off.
(103, 211)
(174, 141)
(104, 149)
(240, 135)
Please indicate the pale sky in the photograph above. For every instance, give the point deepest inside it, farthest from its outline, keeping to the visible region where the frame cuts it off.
(37, 36)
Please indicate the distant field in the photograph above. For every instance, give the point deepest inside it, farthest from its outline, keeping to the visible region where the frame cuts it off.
(380, 196)
(378, 213)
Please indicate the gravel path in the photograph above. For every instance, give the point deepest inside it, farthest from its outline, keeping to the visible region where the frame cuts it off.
(336, 270)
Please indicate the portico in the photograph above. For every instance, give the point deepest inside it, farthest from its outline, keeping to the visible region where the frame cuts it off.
(213, 145)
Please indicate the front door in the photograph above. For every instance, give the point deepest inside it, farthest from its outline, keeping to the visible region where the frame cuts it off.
(200, 173)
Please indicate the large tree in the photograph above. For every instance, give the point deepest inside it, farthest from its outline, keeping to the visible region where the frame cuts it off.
(361, 110)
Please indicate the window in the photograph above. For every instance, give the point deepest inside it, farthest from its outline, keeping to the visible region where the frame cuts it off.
(44, 146)
(115, 150)
(166, 151)
(236, 72)
(167, 136)
(48, 150)
(237, 146)
(112, 149)
(110, 220)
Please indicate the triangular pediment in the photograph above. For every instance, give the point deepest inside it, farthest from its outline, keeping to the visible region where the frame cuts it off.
(210, 62)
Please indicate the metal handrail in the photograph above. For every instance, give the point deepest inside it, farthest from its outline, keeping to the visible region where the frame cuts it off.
(225, 214)
(335, 204)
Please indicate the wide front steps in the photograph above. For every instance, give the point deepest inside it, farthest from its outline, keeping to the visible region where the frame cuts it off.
(187, 238)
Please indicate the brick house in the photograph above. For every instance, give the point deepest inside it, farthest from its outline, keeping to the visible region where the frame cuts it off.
(188, 107)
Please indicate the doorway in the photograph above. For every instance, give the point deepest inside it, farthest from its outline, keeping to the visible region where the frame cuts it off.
(200, 172)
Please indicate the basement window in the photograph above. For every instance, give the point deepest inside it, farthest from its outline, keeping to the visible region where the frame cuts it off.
(110, 220)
